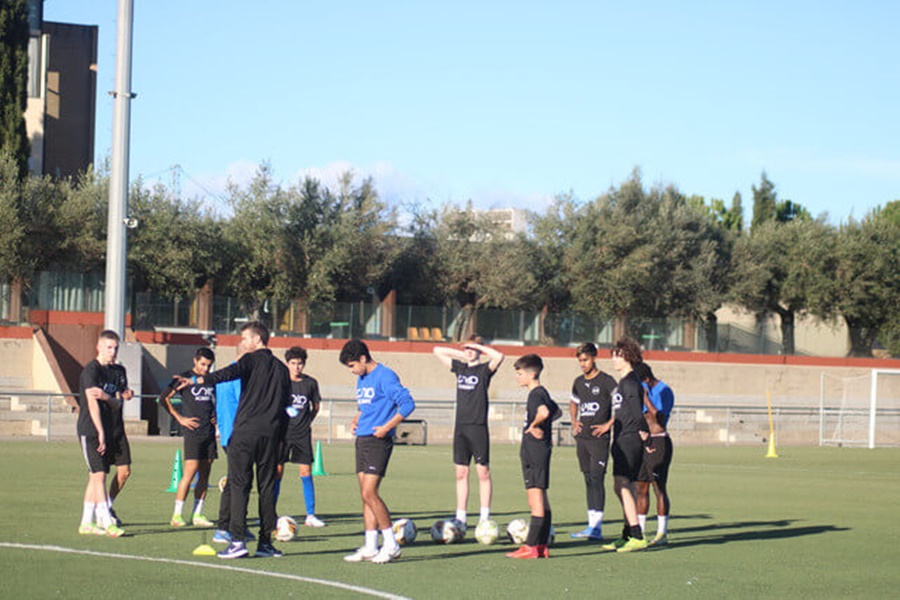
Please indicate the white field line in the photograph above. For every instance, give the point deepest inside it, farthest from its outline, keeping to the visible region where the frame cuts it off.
(191, 563)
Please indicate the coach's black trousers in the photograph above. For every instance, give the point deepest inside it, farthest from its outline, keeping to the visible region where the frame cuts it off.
(244, 452)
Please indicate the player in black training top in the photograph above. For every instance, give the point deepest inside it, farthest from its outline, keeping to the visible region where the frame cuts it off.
(591, 411)
(258, 434)
(537, 446)
(471, 437)
(198, 423)
(99, 395)
(298, 448)
(629, 433)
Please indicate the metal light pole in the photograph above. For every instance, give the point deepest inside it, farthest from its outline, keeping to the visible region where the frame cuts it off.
(116, 241)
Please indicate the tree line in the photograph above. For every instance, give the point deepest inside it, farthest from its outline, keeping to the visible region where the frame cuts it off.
(634, 252)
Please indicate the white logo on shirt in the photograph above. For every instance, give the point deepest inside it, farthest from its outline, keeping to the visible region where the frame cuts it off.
(365, 395)
(464, 382)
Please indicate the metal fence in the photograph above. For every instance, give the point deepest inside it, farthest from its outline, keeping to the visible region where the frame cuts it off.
(433, 420)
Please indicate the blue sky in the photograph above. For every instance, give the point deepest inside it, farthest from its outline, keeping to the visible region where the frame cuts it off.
(511, 103)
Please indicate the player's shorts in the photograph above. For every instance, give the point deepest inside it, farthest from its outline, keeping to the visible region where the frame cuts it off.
(471, 441)
(96, 462)
(535, 457)
(200, 446)
(627, 454)
(593, 454)
(373, 454)
(657, 458)
(298, 449)
(118, 450)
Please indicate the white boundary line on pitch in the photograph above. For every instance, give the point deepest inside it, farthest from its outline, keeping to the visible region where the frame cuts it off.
(191, 563)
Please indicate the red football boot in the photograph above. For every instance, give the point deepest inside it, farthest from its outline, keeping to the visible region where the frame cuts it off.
(543, 551)
(524, 552)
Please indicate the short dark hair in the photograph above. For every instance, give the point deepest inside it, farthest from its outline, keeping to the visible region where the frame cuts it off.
(586, 348)
(353, 350)
(530, 363)
(643, 371)
(204, 352)
(628, 349)
(108, 334)
(258, 328)
(476, 338)
(295, 352)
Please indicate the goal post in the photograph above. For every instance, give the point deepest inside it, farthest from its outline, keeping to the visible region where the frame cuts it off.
(856, 410)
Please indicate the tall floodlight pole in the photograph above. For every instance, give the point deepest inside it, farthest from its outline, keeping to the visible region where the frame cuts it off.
(116, 241)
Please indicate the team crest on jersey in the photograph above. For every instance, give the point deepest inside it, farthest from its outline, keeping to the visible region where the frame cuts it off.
(616, 399)
(299, 401)
(595, 390)
(466, 382)
(202, 393)
(365, 395)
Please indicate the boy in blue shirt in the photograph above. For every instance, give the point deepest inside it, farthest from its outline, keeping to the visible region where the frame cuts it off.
(382, 404)
(658, 403)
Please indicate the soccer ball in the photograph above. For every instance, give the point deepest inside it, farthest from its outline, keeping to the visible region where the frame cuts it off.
(285, 529)
(405, 531)
(517, 531)
(446, 532)
(487, 532)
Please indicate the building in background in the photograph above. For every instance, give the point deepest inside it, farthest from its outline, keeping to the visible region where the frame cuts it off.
(62, 92)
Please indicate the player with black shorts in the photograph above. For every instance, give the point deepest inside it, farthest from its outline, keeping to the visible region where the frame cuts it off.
(382, 404)
(298, 448)
(629, 432)
(658, 403)
(119, 452)
(591, 411)
(198, 423)
(257, 436)
(471, 437)
(99, 385)
(535, 453)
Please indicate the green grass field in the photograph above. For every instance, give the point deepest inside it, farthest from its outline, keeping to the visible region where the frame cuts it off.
(815, 522)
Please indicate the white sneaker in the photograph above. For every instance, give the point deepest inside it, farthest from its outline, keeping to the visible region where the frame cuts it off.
(314, 521)
(386, 555)
(361, 554)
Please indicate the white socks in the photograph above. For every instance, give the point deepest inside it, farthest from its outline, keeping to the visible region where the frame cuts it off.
(595, 519)
(461, 516)
(371, 540)
(642, 521)
(662, 524)
(179, 507)
(484, 514)
(87, 513)
(198, 507)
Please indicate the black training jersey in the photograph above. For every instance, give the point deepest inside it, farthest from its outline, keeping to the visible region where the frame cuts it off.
(199, 402)
(305, 399)
(538, 397)
(472, 392)
(628, 404)
(265, 392)
(594, 399)
(105, 378)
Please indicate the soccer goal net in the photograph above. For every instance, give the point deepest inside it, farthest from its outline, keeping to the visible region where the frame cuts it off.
(861, 410)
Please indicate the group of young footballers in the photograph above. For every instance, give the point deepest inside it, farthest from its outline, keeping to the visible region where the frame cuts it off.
(263, 409)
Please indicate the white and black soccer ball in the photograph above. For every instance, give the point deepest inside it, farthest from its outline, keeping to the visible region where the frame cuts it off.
(487, 532)
(517, 531)
(446, 531)
(405, 531)
(285, 529)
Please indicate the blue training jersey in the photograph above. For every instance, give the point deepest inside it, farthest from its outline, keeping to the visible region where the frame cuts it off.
(380, 396)
(663, 398)
(228, 394)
